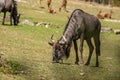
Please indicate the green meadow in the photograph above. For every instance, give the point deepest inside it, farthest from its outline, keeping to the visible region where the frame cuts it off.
(27, 55)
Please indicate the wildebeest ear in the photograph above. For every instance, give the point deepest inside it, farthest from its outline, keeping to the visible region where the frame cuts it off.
(51, 44)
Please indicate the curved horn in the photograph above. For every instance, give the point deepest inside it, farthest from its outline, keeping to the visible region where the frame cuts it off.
(52, 41)
(52, 38)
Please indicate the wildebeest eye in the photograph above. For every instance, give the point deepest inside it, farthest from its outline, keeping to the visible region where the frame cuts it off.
(56, 55)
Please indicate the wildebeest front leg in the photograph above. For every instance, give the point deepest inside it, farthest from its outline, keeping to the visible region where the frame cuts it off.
(76, 51)
(91, 48)
(81, 48)
(10, 19)
(11, 16)
(4, 18)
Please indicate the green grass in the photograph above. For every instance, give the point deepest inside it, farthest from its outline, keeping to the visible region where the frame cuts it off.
(28, 56)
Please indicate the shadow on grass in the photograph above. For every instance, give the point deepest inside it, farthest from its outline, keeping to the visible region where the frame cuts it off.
(66, 63)
(118, 53)
(96, 67)
(8, 24)
(13, 67)
(63, 63)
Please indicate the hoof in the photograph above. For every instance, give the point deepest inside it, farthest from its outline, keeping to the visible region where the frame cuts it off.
(97, 66)
(87, 64)
(76, 63)
(55, 61)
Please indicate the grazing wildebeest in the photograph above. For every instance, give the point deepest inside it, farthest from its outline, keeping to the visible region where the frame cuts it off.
(83, 26)
(9, 6)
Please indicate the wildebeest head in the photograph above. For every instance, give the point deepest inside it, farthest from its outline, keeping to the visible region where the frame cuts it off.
(59, 49)
(16, 19)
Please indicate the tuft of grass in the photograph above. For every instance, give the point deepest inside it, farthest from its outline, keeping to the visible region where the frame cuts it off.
(12, 67)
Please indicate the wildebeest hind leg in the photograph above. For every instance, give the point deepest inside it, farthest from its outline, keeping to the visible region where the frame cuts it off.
(4, 18)
(10, 19)
(97, 45)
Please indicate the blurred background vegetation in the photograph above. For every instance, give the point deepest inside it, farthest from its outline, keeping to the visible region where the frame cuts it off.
(106, 2)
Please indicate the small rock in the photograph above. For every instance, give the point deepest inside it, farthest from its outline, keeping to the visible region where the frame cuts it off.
(1, 53)
(117, 31)
(106, 30)
(26, 22)
(82, 72)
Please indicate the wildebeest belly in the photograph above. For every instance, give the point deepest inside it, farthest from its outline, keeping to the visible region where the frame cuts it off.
(88, 33)
(5, 5)
(2, 4)
(86, 36)
(2, 1)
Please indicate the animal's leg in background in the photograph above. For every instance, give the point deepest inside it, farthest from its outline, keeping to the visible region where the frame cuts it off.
(65, 8)
(40, 3)
(12, 16)
(97, 45)
(4, 18)
(64, 4)
(81, 48)
(60, 8)
(10, 19)
(76, 51)
(49, 3)
(91, 48)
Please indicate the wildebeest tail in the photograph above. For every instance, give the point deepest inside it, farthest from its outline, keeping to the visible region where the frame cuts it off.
(99, 30)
